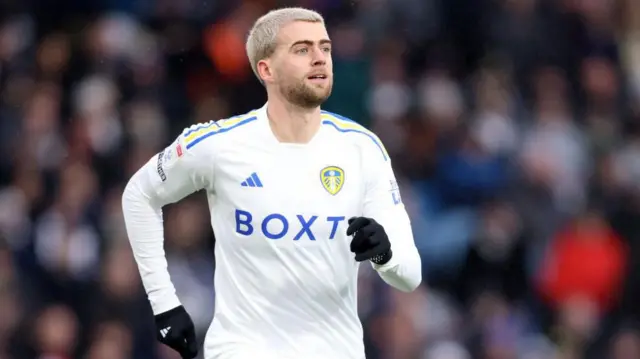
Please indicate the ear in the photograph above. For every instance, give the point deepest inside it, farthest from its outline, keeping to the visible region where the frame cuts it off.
(265, 70)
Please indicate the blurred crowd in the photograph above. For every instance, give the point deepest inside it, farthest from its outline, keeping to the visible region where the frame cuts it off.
(514, 127)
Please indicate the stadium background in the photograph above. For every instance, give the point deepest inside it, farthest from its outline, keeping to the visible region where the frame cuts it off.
(514, 127)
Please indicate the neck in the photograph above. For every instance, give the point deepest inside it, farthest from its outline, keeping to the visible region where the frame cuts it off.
(290, 123)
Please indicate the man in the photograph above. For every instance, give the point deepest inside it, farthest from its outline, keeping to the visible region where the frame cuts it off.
(298, 196)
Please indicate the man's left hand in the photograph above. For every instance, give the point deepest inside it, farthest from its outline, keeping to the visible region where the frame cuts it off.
(370, 241)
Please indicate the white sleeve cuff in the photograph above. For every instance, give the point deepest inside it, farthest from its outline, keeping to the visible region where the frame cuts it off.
(164, 303)
(390, 265)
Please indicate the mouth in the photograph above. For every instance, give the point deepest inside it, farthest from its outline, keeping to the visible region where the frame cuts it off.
(318, 77)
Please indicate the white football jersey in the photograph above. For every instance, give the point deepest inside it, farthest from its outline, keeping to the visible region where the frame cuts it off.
(285, 277)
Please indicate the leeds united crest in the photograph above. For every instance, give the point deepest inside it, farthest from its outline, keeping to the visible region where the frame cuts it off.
(332, 179)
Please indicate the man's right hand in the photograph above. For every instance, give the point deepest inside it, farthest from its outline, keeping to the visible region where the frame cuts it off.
(175, 329)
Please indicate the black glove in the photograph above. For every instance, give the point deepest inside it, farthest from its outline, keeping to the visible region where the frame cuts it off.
(370, 241)
(175, 329)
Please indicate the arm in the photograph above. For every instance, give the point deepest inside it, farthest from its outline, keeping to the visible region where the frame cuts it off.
(383, 203)
(166, 178)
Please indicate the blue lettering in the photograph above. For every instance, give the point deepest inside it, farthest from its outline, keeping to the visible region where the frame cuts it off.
(285, 226)
(271, 229)
(336, 221)
(395, 192)
(306, 228)
(243, 218)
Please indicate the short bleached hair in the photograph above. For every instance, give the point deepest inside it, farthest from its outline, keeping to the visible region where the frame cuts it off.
(263, 37)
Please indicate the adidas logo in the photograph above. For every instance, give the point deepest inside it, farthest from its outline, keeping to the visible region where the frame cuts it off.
(165, 331)
(252, 181)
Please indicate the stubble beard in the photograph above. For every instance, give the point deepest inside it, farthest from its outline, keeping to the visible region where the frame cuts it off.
(304, 96)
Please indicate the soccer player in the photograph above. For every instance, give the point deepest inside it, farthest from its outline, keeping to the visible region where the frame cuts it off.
(299, 197)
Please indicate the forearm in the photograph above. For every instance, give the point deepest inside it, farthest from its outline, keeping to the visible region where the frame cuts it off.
(403, 271)
(144, 226)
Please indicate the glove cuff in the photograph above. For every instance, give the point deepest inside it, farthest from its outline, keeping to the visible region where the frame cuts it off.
(383, 258)
(170, 313)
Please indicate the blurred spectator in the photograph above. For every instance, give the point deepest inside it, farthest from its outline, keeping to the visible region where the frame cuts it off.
(586, 260)
(496, 259)
(626, 344)
(581, 279)
(56, 333)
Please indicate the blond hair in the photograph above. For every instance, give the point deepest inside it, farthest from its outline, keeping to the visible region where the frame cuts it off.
(262, 39)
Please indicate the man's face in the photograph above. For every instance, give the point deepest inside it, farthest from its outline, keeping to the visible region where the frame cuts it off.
(302, 65)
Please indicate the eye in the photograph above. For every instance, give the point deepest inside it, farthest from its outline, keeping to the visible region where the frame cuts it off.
(326, 49)
(302, 50)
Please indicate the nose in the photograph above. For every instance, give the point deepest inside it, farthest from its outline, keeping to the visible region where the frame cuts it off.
(319, 57)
